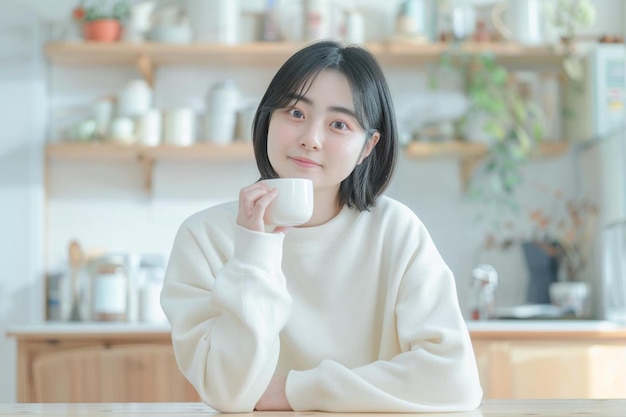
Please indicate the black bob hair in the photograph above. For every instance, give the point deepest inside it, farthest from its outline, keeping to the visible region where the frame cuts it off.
(373, 107)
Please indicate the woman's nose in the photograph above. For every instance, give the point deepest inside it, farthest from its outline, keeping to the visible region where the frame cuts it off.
(312, 137)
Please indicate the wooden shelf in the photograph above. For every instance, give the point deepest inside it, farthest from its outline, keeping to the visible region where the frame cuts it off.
(146, 56)
(147, 156)
(458, 149)
(149, 55)
(113, 151)
(471, 154)
(450, 149)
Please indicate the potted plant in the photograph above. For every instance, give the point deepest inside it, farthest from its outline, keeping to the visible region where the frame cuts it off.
(101, 20)
(557, 241)
(568, 16)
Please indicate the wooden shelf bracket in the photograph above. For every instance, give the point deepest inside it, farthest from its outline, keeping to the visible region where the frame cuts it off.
(147, 165)
(145, 65)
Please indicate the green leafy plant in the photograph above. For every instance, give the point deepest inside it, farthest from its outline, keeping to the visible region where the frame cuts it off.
(88, 11)
(568, 17)
(512, 123)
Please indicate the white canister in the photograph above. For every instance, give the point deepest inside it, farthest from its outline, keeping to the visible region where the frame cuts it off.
(245, 120)
(103, 114)
(141, 16)
(135, 99)
(179, 127)
(221, 117)
(149, 128)
(463, 19)
(355, 27)
(110, 290)
(214, 20)
(317, 16)
(149, 296)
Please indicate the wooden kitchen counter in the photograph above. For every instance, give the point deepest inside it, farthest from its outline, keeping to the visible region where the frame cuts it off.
(516, 359)
(491, 329)
(489, 408)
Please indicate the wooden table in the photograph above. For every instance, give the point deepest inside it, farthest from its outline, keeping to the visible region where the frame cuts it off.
(489, 408)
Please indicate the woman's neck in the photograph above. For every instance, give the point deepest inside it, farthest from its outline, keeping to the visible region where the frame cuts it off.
(325, 207)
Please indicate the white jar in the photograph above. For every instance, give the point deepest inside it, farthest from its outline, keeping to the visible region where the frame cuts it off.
(135, 99)
(149, 298)
(214, 20)
(317, 24)
(103, 114)
(221, 117)
(110, 289)
(149, 128)
(355, 27)
(179, 127)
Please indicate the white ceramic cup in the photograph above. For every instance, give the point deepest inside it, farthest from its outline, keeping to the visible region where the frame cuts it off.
(294, 203)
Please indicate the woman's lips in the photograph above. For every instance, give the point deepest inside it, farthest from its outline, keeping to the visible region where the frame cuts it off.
(305, 162)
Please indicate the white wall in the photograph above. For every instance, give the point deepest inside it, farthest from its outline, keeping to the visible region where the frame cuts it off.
(105, 206)
(22, 117)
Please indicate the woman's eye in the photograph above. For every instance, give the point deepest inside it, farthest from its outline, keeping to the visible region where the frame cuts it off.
(339, 125)
(296, 113)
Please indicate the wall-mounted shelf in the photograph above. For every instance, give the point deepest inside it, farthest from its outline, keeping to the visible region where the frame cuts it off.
(471, 154)
(147, 56)
(147, 155)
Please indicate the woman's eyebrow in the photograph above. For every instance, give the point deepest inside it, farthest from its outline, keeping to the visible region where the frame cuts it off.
(344, 110)
(335, 109)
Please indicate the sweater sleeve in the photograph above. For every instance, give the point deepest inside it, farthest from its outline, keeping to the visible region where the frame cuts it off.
(226, 312)
(436, 370)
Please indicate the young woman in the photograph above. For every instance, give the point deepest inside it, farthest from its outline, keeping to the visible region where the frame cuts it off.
(354, 310)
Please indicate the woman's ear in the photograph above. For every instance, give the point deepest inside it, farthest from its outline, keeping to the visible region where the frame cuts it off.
(369, 146)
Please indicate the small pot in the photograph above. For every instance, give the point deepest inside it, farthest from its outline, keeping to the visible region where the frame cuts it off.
(102, 30)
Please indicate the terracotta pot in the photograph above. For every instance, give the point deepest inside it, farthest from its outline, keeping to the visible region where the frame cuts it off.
(103, 30)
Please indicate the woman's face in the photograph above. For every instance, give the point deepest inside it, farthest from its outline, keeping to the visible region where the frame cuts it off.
(318, 136)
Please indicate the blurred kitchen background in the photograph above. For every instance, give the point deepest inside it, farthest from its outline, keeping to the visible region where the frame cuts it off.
(104, 219)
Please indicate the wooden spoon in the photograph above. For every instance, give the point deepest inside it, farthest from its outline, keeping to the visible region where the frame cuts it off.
(76, 258)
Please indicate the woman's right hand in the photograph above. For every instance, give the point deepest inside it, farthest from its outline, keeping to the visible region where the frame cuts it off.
(253, 201)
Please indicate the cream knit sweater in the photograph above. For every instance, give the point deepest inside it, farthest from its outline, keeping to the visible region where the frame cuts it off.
(360, 313)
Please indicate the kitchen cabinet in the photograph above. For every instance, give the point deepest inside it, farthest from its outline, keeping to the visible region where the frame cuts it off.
(147, 57)
(565, 360)
(546, 364)
(98, 363)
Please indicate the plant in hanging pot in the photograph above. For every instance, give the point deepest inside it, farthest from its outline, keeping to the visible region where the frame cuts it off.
(101, 21)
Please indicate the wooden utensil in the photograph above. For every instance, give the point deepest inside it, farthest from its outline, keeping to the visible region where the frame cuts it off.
(76, 259)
